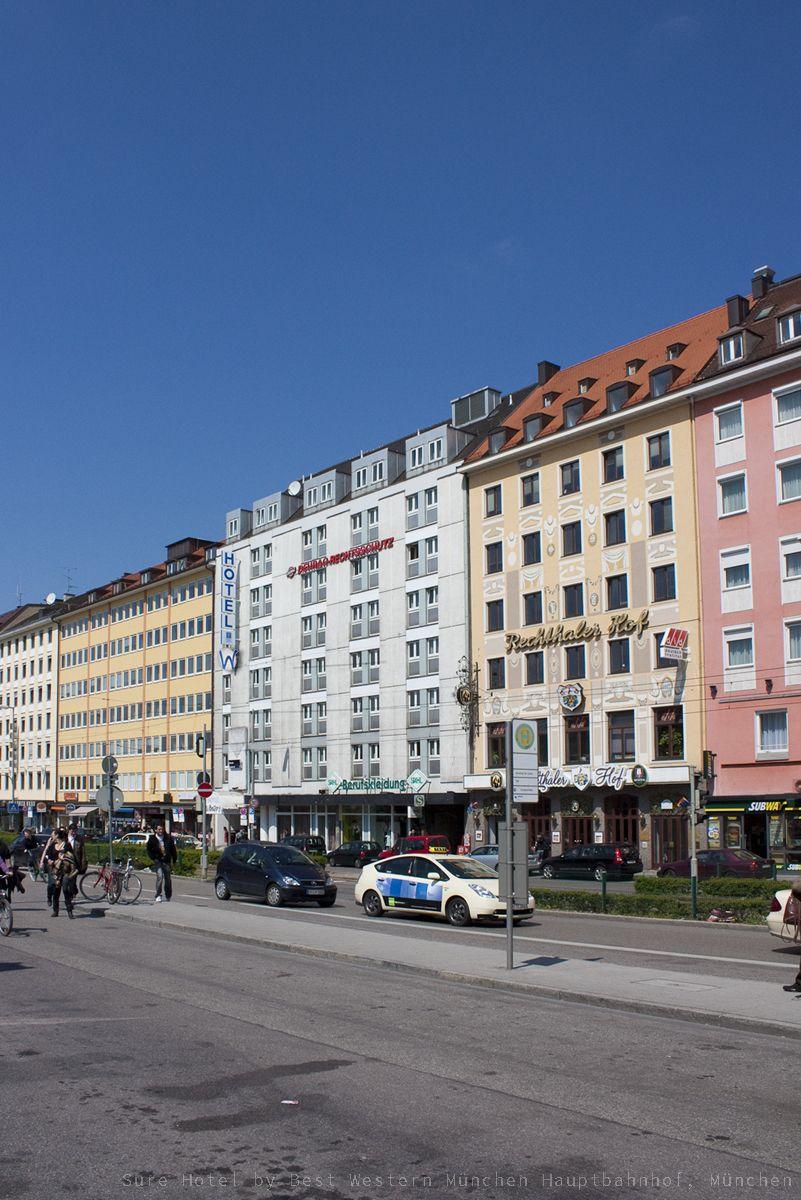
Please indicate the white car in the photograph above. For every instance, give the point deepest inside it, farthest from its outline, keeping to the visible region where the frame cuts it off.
(453, 886)
(775, 918)
(132, 839)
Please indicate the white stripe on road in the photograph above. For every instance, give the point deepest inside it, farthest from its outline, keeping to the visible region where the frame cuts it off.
(60, 1020)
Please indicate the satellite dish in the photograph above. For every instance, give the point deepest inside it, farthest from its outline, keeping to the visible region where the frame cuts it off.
(50, 598)
(295, 488)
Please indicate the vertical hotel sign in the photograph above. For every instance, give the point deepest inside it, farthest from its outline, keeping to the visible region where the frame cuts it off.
(229, 610)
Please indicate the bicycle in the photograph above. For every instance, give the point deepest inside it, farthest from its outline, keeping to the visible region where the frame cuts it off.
(102, 884)
(6, 911)
(130, 884)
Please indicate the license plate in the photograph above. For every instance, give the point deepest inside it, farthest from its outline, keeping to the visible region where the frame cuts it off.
(315, 892)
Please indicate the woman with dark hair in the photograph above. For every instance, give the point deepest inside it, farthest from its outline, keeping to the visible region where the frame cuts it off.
(63, 867)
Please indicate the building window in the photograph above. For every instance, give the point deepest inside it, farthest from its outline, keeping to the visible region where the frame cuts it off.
(615, 527)
(617, 592)
(729, 422)
(532, 549)
(416, 456)
(658, 451)
(789, 327)
(735, 569)
(792, 648)
(361, 477)
(535, 667)
(497, 441)
(573, 599)
(571, 538)
(790, 480)
(791, 558)
(617, 396)
(496, 673)
(532, 608)
(664, 581)
(738, 647)
(788, 406)
(613, 464)
(492, 501)
(619, 656)
(571, 477)
(573, 414)
(621, 736)
(575, 662)
(661, 381)
(530, 490)
(772, 732)
(662, 516)
(496, 746)
(669, 732)
(435, 450)
(577, 739)
(731, 349)
(732, 495)
(494, 615)
(494, 558)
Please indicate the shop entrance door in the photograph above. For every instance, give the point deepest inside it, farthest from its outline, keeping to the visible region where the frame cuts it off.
(622, 820)
(670, 839)
(538, 819)
(756, 834)
(578, 831)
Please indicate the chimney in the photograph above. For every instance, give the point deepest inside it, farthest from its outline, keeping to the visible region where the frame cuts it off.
(737, 308)
(545, 371)
(762, 282)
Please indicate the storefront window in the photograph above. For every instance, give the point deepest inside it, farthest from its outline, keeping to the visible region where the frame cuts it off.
(284, 823)
(734, 834)
(776, 831)
(352, 824)
(794, 830)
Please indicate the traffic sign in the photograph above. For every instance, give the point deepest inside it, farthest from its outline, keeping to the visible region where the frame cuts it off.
(109, 765)
(525, 762)
(13, 807)
(105, 796)
(203, 777)
(71, 807)
(204, 790)
(419, 800)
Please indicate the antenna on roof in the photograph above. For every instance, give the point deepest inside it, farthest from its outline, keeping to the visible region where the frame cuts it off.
(69, 572)
(19, 595)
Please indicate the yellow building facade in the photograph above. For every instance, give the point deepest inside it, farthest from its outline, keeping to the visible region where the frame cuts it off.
(135, 681)
(584, 585)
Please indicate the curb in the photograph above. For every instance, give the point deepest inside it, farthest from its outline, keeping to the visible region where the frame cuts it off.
(692, 1015)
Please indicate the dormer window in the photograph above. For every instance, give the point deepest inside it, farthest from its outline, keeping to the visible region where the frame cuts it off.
(633, 365)
(311, 497)
(497, 441)
(532, 426)
(360, 479)
(144, 577)
(617, 395)
(92, 596)
(790, 327)
(585, 385)
(549, 398)
(378, 471)
(233, 527)
(731, 348)
(675, 349)
(573, 413)
(327, 491)
(661, 381)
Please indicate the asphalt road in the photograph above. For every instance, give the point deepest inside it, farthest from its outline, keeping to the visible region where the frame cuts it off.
(743, 952)
(132, 1055)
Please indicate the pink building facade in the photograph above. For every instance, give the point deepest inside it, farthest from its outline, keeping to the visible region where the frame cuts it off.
(747, 416)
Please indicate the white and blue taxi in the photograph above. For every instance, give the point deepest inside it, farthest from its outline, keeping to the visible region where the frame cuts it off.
(453, 886)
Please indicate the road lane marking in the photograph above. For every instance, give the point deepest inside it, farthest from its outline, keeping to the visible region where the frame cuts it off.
(8, 1022)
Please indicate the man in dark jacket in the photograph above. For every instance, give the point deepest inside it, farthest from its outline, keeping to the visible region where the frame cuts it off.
(161, 849)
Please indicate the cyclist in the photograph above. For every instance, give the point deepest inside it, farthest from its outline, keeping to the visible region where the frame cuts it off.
(7, 868)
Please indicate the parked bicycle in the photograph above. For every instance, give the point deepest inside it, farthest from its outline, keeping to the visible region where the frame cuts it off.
(112, 883)
(6, 911)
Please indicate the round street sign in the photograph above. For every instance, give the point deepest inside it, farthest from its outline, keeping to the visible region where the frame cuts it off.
(203, 777)
(204, 790)
(104, 796)
(109, 765)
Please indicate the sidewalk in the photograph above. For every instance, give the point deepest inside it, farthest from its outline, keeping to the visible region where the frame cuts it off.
(731, 1002)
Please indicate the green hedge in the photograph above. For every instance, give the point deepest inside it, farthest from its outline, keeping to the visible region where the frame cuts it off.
(751, 911)
(746, 889)
(188, 859)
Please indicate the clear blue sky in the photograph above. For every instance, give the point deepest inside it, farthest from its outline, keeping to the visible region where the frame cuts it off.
(242, 240)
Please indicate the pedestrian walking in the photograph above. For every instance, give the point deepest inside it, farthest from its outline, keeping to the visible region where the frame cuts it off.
(78, 845)
(60, 858)
(793, 917)
(161, 849)
(30, 848)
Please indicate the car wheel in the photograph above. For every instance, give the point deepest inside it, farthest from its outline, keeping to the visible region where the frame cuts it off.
(668, 874)
(222, 890)
(600, 873)
(273, 895)
(328, 902)
(729, 875)
(329, 858)
(371, 903)
(458, 912)
(548, 873)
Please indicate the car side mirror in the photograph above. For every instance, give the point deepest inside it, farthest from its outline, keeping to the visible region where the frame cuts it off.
(433, 875)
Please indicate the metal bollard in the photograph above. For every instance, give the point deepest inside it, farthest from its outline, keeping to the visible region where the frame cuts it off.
(603, 893)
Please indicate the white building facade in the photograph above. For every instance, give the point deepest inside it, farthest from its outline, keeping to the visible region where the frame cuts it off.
(341, 617)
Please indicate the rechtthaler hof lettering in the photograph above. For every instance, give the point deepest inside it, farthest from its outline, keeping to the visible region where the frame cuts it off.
(610, 775)
(229, 609)
(620, 625)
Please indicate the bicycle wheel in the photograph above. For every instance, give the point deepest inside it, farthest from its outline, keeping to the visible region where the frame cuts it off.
(6, 917)
(114, 888)
(131, 888)
(93, 886)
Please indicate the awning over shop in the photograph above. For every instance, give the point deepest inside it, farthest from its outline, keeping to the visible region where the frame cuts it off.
(83, 810)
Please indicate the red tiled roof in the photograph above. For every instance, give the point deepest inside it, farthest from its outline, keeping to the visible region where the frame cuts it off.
(699, 335)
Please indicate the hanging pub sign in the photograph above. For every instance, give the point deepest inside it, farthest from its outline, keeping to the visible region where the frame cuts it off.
(620, 625)
(674, 644)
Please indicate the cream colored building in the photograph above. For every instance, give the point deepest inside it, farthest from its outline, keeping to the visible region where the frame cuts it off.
(135, 681)
(583, 551)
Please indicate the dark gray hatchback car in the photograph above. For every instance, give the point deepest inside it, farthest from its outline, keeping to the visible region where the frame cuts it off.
(277, 874)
